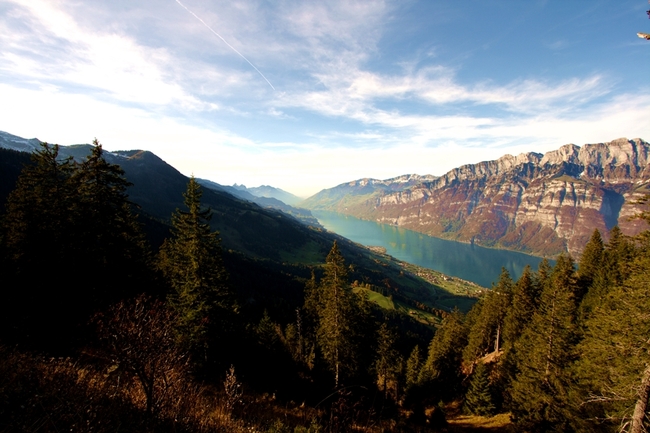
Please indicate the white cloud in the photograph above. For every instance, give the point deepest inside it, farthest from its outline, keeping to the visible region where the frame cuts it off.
(109, 64)
(146, 74)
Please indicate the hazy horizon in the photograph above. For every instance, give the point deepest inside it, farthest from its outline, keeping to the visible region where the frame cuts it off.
(304, 96)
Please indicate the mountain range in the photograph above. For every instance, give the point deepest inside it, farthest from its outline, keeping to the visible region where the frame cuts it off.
(542, 204)
(269, 252)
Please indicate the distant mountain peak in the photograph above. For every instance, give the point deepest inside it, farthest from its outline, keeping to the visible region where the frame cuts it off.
(536, 203)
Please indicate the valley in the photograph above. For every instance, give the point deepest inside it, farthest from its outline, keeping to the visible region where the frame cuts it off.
(174, 283)
(465, 261)
(540, 204)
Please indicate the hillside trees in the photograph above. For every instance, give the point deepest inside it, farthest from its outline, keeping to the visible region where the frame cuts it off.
(75, 216)
(389, 363)
(443, 367)
(540, 391)
(335, 311)
(591, 260)
(192, 264)
(478, 399)
(38, 211)
(339, 318)
(110, 242)
(614, 368)
(486, 332)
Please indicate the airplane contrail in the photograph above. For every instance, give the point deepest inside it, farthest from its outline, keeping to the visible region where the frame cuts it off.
(224, 41)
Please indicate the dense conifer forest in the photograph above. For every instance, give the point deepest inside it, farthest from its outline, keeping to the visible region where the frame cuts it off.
(104, 330)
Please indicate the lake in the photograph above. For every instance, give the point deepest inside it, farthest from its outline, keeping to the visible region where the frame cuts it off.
(466, 261)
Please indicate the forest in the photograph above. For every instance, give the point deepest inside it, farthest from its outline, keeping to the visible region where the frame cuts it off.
(113, 320)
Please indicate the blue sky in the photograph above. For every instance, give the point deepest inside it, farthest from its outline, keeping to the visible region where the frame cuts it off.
(304, 95)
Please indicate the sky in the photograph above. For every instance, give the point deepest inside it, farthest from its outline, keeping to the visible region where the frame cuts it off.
(304, 95)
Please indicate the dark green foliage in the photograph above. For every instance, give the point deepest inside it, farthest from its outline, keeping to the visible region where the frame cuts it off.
(72, 244)
(592, 274)
(388, 363)
(617, 257)
(591, 260)
(335, 312)
(338, 321)
(613, 269)
(614, 364)
(413, 365)
(525, 297)
(478, 400)
(11, 164)
(540, 391)
(38, 211)
(485, 334)
(192, 264)
(442, 368)
(108, 234)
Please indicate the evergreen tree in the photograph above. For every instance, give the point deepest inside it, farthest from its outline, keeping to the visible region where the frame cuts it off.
(542, 276)
(617, 257)
(524, 303)
(413, 365)
(38, 218)
(485, 335)
(617, 254)
(540, 392)
(38, 231)
(336, 310)
(109, 242)
(478, 400)
(192, 264)
(615, 366)
(443, 366)
(525, 298)
(591, 260)
(388, 363)
(64, 215)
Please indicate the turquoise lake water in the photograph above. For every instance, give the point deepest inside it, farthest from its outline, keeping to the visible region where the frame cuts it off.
(466, 261)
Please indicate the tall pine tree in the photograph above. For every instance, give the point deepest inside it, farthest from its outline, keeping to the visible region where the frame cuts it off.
(442, 369)
(73, 244)
(486, 333)
(38, 234)
(614, 367)
(192, 264)
(336, 316)
(110, 244)
(540, 392)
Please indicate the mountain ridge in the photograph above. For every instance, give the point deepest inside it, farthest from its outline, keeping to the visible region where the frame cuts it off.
(536, 203)
(270, 253)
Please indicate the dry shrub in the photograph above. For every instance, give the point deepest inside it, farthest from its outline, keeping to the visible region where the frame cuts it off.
(57, 394)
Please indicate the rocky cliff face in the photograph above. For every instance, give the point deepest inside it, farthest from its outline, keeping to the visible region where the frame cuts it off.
(539, 204)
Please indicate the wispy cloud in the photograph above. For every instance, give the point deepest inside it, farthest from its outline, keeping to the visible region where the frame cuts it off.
(145, 73)
(110, 65)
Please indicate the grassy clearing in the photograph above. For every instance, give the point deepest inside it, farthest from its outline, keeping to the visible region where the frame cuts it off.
(308, 254)
(471, 423)
(379, 299)
(419, 315)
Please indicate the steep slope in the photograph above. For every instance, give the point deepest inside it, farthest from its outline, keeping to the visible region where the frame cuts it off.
(13, 142)
(244, 193)
(269, 253)
(539, 204)
(276, 193)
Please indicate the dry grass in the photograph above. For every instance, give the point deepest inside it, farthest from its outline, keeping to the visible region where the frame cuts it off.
(63, 394)
(471, 423)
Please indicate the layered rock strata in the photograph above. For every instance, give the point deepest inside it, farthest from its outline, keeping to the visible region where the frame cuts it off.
(539, 204)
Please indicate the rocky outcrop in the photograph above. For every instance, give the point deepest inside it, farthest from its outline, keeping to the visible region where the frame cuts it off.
(539, 204)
